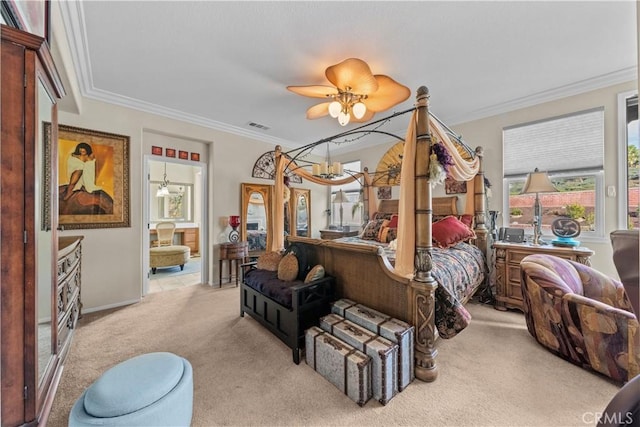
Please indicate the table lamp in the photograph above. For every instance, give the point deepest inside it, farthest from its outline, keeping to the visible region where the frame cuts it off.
(538, 182)
(341, 198)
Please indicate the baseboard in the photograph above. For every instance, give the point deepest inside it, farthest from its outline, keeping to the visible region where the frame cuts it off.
(107, 307)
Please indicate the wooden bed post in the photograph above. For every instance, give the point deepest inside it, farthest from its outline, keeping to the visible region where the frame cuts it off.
(423, 285)
(480, 202)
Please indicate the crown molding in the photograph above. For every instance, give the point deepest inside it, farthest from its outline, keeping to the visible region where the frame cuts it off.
(616, 77)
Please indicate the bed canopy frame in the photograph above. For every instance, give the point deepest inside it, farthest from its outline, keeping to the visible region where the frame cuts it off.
(414, 254)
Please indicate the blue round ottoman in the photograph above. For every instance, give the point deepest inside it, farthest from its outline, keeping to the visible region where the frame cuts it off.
(154, 389)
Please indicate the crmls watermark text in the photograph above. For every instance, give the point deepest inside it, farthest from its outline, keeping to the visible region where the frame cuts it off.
(620, 418)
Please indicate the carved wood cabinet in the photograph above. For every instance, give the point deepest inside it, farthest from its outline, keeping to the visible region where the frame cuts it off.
(30, 358)
(507, 265)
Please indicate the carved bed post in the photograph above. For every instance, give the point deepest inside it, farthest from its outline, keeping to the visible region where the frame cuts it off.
(365, 196)
(480, 202)
(423, 285)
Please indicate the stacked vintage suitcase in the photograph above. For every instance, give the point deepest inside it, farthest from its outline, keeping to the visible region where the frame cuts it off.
(361, 351)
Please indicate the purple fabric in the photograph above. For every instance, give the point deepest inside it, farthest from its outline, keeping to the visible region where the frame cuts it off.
(593, 328)
(267, 283)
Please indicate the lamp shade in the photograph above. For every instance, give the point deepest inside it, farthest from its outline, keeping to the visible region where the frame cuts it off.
(538, 182)
(341, 197)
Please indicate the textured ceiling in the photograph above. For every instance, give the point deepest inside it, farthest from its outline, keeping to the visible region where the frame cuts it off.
(226, 64)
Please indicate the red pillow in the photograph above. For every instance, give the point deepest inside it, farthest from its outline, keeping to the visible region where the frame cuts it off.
(393, 222)
(450, 231)
(467, 220)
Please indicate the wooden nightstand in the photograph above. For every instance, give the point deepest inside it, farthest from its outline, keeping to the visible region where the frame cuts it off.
(336, 234)
(507, 268)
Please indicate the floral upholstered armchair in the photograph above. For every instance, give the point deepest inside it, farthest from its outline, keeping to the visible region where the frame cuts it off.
(581, 315)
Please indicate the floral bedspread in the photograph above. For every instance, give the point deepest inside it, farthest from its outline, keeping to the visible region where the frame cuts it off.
(458, 270)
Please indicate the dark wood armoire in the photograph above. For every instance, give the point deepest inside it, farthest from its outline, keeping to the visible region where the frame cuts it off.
(31, 355)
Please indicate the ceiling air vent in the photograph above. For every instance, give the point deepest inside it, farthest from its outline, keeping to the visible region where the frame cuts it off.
(258, 126)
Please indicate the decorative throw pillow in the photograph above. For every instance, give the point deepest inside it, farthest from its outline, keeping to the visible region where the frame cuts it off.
(393, 222)
(288, 267)
(450, 231)
(316, 273)
(269, 261)
(382, 215)
(467, 220)
(387, 234)
(373, 228)
(301, 254)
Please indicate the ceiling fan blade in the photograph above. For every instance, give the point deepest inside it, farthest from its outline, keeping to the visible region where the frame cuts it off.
(353, 73)
(318, 110)
(389, 93)
(314, 91)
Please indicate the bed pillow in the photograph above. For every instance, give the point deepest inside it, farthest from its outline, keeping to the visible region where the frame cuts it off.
(467, 220)
(316, 273)
(269, 261)
(382, 215)
(288, 268)
(393, 222)
(372, 229)
(450, 231)
(387, 234)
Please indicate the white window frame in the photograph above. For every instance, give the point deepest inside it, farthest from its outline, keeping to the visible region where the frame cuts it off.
(586, 235)
(623, 189)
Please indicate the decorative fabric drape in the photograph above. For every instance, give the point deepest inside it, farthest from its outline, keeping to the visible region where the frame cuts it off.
(405, 250)
(462, 169)
(277, 227)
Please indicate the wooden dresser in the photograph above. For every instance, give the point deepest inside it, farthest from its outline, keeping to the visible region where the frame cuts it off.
(507, 267)
(69, 288)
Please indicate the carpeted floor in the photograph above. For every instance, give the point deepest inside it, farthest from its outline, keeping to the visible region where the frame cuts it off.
(492, 374)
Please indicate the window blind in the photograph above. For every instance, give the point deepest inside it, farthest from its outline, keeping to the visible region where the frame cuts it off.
(566, 143)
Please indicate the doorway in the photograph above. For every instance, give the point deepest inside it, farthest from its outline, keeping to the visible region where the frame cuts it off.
(175, 192)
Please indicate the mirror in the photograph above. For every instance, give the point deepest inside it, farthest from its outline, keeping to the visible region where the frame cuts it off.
(255, 217)
(175, 207)
(300, 212)
(45, 245)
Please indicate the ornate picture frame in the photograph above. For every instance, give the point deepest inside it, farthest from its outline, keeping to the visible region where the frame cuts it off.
(93, 178)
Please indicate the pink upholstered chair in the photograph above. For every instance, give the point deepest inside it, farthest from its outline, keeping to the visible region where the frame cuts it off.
(581, 315)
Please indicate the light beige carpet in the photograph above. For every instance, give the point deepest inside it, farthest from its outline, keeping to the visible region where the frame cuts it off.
(492, 374)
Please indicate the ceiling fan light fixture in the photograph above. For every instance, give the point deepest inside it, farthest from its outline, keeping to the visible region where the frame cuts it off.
(334, 109)
(359, 110)
(344, 118)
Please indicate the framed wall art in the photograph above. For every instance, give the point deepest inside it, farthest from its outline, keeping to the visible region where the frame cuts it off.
(195, 157)
(93, 178)
(451, 186)
(156, 151)
(184, 155)
(170, 152)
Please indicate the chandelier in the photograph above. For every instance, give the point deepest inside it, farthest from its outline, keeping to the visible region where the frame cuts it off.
(346, 103)
(163, 188)
(326, 169)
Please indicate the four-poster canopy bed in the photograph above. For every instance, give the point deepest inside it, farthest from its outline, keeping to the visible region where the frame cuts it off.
(406, 289)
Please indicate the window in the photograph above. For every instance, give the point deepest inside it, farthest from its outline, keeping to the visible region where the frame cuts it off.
(570, 149)
(628, 157)
(353, 209)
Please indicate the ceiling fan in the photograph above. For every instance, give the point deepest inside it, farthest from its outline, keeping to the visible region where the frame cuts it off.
(356, 95)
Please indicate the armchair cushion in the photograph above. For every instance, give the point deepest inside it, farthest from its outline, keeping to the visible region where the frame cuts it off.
(581, 315)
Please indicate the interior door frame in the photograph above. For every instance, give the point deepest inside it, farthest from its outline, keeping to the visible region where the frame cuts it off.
(203, 230)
